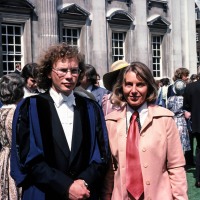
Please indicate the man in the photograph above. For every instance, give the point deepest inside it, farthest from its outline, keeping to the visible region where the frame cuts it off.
(18, 68)
(88, 82)
(60, 144)
(191, 106)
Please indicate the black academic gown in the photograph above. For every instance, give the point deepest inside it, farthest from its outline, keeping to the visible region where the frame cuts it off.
(46, 164)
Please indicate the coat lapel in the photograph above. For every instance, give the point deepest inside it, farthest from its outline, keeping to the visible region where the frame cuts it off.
(57, 130)
(77, 133)
(152, 112)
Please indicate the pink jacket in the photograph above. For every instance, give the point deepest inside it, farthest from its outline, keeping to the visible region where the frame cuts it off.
(161, 157)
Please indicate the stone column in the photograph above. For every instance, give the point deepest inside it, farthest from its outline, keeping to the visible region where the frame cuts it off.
(48, 23)
(190, 50)
(176, 40)
(141, 32)
(98, 44)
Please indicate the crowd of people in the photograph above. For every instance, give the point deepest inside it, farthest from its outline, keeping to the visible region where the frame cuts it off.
(63, 136)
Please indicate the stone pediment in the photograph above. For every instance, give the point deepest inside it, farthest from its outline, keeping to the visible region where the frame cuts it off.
(119, 19)
(158, 22)
(73, 10)
(16, 5)
(158, 3)
(119, 15)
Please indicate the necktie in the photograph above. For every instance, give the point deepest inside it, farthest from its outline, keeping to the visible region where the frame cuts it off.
(134, 181)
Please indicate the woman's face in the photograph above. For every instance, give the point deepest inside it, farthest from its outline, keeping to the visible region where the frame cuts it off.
(185, 78)
(31, 84)
(134, 90)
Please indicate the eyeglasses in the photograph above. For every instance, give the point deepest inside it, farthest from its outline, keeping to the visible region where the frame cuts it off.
(62, 72)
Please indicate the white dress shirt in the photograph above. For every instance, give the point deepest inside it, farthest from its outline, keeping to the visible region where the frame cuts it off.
(143, 112)
(65, 109)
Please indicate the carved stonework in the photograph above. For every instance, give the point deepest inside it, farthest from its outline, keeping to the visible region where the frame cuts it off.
(72, 10)
(159, 23)
(152, 3)
(128, 2)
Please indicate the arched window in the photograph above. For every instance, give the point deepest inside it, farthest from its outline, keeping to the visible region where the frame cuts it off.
(119, 22)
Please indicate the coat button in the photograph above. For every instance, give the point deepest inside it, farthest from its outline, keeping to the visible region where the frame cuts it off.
(147, 182)
(145, 165)
(144, 149)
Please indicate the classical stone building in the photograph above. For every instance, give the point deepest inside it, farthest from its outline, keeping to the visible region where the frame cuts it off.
(160, 33)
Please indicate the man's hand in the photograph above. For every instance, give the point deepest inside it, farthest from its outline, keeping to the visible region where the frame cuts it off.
(78, 190)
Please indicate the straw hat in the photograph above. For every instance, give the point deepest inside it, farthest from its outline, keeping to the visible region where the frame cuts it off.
(109, 78)
(179, 87)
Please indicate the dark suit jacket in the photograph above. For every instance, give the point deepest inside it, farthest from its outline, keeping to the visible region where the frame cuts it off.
(191, 103)
(98, 93)
(55, 169)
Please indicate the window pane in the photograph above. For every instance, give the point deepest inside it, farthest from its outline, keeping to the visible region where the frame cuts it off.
(17, 58)
(4, 58)
(3, 39)
(18, 30)
(11, 66)
(120, 43)
(11, 52)
(4, 48)
(11, 49)
(17, 40)
(120, 36)
(10, 30)
(75, 33)
(18, 49)
(117, 46)
(3, 29)
(10, 39)
(69, 40)
(156, 53)
(68, 32)
(71, 36)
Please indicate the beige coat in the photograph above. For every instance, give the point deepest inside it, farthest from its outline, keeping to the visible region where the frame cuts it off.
(161, 156)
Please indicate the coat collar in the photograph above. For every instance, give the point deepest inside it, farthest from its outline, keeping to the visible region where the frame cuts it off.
(154, 111)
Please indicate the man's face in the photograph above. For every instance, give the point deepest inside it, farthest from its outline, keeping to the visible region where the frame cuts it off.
(64, 75)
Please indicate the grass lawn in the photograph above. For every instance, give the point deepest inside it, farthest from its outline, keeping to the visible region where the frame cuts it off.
(193, 192)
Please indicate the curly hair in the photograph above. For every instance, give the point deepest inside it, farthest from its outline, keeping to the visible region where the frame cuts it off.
(11, 88)
(61, 51)
(142, 71)
(180, 72)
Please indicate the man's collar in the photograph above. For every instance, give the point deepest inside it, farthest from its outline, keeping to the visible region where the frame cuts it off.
(59, 98)
(89, 88)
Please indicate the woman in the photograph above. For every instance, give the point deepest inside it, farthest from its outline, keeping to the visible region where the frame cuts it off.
(29, 73)
(181, 73)
(11, 91)
(159, 148)
(175, 104)
(88, 82)
(109, 79)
